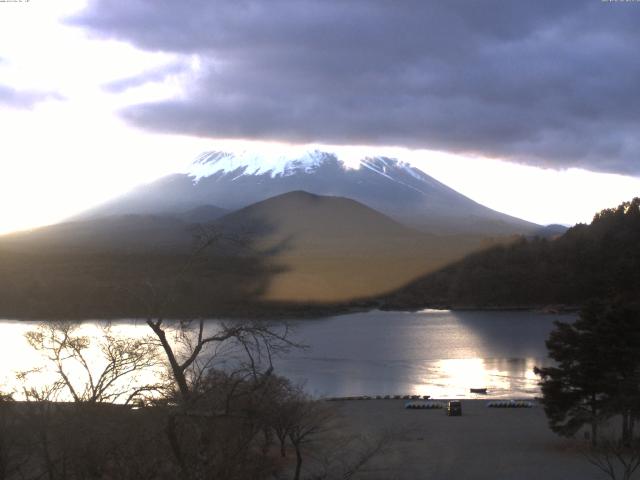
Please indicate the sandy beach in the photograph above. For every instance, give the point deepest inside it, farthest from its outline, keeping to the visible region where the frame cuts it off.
(483, 443)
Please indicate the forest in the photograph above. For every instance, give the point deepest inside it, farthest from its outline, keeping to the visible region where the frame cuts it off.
(599, 260)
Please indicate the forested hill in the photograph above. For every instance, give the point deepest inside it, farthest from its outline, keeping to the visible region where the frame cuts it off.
(589, 261)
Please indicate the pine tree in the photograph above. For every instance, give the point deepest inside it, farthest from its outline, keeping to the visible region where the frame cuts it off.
(597, 370)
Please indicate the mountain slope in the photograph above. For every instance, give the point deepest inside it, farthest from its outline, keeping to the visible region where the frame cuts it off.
(600, 260)
(336, 249)
(392, 187)
(203, 214)
(113, 233)
(298, 249)
(129, 232)
(304, 218)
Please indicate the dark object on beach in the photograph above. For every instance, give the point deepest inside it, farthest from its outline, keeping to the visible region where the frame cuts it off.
(454, 408)
(423, 405)
(479, 390)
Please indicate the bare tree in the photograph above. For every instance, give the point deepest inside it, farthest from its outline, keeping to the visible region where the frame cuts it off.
(81, 438)
(191, 349)
(281, 417)
(185, 341)
(109, 373)
(312, 428)
(40, 421)
(617, 460)
(309, 420)
(222, 372)
(347, 456)
(14, 446)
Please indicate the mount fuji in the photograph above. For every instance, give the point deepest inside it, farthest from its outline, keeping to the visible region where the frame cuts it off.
(317, 231)
(221, 181)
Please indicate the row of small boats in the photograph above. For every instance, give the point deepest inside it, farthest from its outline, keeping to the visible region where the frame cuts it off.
(482, 391)
(510, 404)
(419, 402)
(492, 404)
(382, 397)
(424, 405)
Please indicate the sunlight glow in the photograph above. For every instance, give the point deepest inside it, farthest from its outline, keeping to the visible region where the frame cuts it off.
(16, 351)
(455, 377)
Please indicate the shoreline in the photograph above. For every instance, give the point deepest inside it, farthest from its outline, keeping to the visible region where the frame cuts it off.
(303, 312)
(421, 398)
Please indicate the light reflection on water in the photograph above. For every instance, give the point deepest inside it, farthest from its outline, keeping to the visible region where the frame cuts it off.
(437, 353)
(502, 377)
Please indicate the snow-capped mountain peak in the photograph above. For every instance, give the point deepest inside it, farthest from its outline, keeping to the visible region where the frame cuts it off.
(249, 163)
(234, 180)
(236, 165)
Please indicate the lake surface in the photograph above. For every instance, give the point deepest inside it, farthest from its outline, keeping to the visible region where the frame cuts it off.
(437, 353)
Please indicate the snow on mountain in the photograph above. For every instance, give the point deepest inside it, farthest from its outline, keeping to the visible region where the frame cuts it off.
(235, 180)
(396, 170)
(251, 163)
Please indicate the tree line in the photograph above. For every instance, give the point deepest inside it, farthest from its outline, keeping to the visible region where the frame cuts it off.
(599, 260)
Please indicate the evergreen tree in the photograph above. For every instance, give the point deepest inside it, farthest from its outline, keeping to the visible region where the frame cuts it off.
(597, 370)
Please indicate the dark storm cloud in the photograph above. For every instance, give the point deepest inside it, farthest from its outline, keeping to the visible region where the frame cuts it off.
(23, 98)
(148, 76)
(545, 82)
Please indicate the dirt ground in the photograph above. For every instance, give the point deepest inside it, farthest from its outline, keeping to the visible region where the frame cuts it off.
(483, 443)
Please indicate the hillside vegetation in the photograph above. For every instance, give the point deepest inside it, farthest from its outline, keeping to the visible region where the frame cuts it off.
(306, 254)
(598, 260)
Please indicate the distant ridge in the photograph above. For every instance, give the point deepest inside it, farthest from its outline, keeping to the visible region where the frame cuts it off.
(134, 232)
(126, 232)
(394, 188)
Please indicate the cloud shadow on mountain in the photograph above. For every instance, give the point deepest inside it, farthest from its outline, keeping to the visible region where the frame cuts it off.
(46, 280)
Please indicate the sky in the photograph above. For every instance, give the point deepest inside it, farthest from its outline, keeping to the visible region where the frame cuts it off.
(530, 108)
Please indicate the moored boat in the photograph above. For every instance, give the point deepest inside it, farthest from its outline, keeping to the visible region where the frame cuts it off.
(478, 390)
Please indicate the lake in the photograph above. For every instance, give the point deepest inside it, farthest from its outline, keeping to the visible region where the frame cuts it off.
(432, 352)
